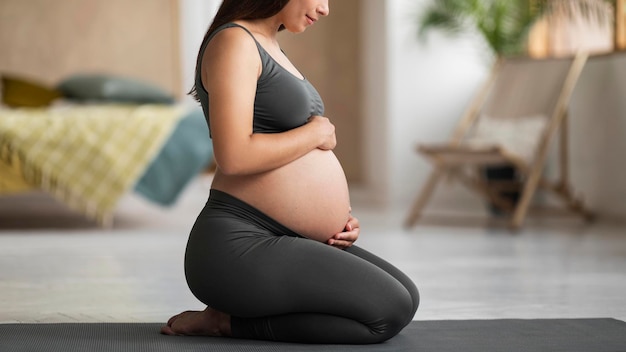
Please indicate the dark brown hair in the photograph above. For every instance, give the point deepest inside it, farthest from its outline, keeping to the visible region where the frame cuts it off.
(233, 10)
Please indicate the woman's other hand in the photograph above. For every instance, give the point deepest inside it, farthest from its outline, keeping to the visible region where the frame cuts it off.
(326, 130)
(345, 239)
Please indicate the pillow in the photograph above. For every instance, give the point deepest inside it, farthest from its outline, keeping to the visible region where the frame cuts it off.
(21, 92)
(115, 89)
(519, 136)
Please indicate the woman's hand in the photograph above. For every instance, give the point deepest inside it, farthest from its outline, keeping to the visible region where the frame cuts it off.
(326, 130)
(345, 239)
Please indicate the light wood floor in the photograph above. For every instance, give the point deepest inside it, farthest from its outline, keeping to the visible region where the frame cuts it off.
(56, 267)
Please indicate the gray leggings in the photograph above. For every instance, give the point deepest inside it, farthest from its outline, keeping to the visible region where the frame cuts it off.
(277, 285)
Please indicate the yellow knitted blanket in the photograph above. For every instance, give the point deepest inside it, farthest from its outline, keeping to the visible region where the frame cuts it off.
(85, 156)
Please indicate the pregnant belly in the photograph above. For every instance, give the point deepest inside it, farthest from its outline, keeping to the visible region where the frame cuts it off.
(309, 196)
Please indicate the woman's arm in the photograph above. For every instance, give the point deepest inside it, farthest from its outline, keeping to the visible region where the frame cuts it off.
(230, 70)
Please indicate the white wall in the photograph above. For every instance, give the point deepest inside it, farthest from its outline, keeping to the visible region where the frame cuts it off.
(417, 92)
(195, 18)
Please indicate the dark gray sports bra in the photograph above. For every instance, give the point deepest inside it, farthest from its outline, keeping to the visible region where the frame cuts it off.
(283, 101)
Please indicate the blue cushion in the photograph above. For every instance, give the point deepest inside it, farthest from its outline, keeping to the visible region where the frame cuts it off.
(110, 88)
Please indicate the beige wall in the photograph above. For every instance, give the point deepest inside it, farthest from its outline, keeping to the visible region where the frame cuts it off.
(328, 54)
(48, 40)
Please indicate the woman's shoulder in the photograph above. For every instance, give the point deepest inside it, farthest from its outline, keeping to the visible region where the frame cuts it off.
(231, 40)
(231, 50)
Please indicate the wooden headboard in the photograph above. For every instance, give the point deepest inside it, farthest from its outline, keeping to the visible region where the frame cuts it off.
(49, 40)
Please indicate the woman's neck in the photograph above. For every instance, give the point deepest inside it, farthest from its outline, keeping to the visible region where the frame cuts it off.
(267, 27)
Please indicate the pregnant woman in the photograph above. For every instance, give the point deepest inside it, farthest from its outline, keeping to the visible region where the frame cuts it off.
(271, 253)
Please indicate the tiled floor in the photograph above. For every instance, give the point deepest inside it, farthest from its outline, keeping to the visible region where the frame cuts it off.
(56, 267)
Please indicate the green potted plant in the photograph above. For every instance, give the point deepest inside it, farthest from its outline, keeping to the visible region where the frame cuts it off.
(503, 24)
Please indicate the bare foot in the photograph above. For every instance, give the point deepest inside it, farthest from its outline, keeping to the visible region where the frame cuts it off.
(208, 322)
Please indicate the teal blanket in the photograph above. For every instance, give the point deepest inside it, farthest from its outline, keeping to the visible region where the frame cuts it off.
(187, 152)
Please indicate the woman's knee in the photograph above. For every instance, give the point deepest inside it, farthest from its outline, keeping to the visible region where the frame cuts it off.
(395, 316)
(415, 299)
(404, 305)
(387, 328)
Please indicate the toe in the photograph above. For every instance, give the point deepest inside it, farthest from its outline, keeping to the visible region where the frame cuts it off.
(172, 319)
(166, 330)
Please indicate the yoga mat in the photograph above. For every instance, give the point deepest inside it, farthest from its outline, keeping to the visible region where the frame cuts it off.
(508, 335)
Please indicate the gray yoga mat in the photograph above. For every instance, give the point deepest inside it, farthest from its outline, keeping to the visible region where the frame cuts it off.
(509, 335)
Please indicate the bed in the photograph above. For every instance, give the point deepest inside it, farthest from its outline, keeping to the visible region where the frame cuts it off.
(88, 151)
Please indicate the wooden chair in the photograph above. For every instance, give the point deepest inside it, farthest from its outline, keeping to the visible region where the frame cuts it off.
(512, 121)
